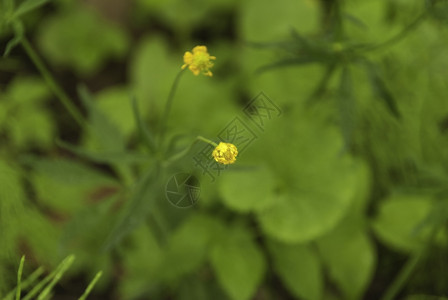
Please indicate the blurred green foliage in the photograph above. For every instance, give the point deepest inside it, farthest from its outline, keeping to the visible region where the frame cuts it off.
(341, 197)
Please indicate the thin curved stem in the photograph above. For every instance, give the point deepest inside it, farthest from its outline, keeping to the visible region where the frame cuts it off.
(406, 272)
(168, 105)
(56, 89)
(402, 34)
(186, 150)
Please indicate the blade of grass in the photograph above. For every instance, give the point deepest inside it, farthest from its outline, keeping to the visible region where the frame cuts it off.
(62, 268)
(38, 287)
(91, 285)
(19, 278)
(26, 283)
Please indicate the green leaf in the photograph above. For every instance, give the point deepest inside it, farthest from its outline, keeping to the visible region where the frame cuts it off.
(137, 208)
(299, 268)
(263, 20)
(248, 190)
(22, 128)
(317, 179)
(141, 257)
(238, 263)
(349, 256)
(114, 103)
(188, 246)
(104, 132)
(86, 49)
(398, 221)
(28, 5)
(106, 157)
(54, 180)
(11, 209)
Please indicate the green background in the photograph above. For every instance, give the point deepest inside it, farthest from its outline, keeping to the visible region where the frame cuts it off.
(342, 196)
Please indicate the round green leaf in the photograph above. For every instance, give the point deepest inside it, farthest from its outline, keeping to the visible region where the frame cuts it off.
(399, 221)
(247, 190)
(299, 268)
(319, 179)
(238, 263)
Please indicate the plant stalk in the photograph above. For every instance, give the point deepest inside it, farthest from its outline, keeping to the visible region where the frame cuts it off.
(56, 89)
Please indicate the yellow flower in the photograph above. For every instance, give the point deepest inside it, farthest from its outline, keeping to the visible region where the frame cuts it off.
(225, 153)
(198, 61)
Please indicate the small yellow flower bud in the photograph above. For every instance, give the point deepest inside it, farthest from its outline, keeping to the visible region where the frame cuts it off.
(198, 61)
(225, 153)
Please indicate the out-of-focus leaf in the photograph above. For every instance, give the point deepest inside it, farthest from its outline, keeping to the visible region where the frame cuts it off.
(23, 111)
(41, 235)
(200, 287)
(106, 157)
(188, 246)
(317, 179)
(248, 190)
(11, 209)
(398, 221)
(104, 131)
(138, 206)
(22, 128)
(85, 49)
(370, 24)
(114, 104)
(349, 256)
(438, 10)
(238, 263)
(27, 6)
(299, 268)
(141, 258)
(27, 91)
(264, 20)
(66, 186)
(380, 90)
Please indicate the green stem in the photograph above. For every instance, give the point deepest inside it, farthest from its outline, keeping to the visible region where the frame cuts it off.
(201, 138)
(407, 270)
(168, 105)
(402, 34)
(57, 90)
(402, 277)
(186, 150)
